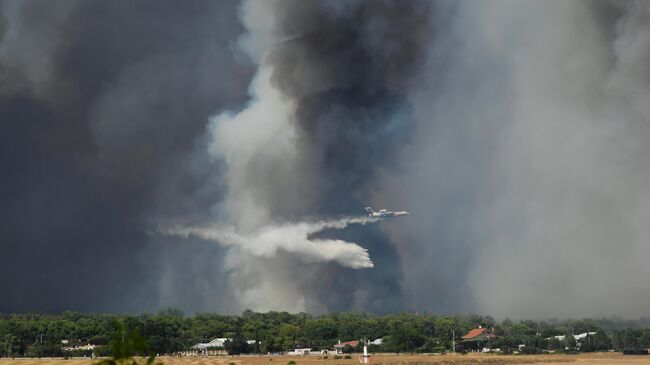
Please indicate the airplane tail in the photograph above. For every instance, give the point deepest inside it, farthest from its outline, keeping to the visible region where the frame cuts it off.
(369, 210)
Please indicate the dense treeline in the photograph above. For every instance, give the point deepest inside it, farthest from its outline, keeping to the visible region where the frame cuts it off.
(170, 331)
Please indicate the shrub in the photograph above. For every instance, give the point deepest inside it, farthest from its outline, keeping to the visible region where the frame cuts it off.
(347, 357)
(529, 351)
(124, 345)
(291, 362)
(635, 352)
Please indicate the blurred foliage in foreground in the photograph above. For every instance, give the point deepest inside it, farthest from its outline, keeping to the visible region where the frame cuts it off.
(124, 345)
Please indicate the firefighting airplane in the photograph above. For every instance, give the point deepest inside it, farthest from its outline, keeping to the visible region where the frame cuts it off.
(383, 213)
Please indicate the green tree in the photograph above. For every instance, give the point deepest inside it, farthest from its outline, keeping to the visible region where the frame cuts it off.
(8, 345)
(124, 345)
(554, 344)
(238, 344)
(254, 330)
(403, 338)
(570, 341)
(321, 332)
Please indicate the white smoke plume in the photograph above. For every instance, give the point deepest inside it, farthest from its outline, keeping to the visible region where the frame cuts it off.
(269, 241)
(516, 132)
(528, 178)
(524, 165)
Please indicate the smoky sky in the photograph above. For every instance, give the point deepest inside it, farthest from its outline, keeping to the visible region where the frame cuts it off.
(347, 67)
(102, 106)
(515, 132)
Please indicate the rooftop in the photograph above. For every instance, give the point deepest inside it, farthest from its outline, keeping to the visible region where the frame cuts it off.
(349, 343)
(476, 332)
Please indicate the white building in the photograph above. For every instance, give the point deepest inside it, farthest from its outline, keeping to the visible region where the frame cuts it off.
(578, 337)
(216, 343)
(87, 347)
(300, 352)
(584, 335)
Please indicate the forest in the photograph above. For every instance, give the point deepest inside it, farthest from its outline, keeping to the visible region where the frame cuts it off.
(170, 331)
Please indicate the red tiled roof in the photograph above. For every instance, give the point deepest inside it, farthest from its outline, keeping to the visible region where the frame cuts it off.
(351, 343)
(476, 332)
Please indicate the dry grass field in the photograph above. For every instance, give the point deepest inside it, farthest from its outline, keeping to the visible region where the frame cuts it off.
(598, 358)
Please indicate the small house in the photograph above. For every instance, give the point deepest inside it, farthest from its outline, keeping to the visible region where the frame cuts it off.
(477, 338)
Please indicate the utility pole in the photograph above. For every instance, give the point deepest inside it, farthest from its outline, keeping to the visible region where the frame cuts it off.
(453, 341)
(365, 358)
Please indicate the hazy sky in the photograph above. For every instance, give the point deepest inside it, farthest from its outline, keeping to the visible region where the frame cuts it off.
(215, 156)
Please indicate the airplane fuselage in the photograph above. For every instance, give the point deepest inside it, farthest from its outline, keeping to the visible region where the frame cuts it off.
(383, 213)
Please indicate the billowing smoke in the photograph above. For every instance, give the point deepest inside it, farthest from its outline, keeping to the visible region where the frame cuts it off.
(269, 241)
(515, 132)
(327, 112)
(570, 176)
(103, 108)
(527, 178)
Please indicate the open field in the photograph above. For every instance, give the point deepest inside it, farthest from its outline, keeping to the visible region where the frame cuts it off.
(597, 358)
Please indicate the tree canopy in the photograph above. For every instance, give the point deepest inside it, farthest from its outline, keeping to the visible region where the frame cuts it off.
(170, 331)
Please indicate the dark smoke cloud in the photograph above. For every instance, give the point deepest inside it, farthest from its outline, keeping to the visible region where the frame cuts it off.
(502, 143)
(527, 176)
(348, 68)
(340, 72)
(103, 106)
(514, 131)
